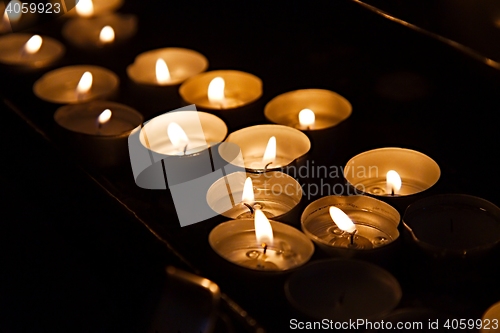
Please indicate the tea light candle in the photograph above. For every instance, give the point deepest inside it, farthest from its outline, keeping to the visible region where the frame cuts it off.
(239, 194)
(491, 319)
(13, 19)
(268, 147)
(260, 244)
(76, 84)
(100, 31)
(91, 8)
(223, 89)
(166, 66)
(392, 172)
(29, 51)
(453, 225)
(343, 224)
(182, 132)
(343, 290)
(308, 109)
(98, 130)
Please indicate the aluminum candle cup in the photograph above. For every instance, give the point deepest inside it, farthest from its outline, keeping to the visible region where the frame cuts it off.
(181, 65)
(376, 223)
(155, 136)
(275, 193)
(14, 51)
(178, 150)
(102, 145)
(291, 144)
(60, 85)
(491, 319)
(342, 290)
(328, 109)
(88, 33)
(367, 171)
(236, 89)
(453, 225)
(235, 241)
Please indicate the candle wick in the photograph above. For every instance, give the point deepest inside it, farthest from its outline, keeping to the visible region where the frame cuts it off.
(392, 191)
(185, 149)
(249, 207)
(267, 165)
(352, 237)
(264, 245)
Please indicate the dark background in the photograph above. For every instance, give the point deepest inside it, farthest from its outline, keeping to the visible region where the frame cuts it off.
(72, 259)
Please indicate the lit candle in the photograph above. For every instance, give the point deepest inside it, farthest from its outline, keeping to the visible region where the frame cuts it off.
(91, 8)
(260, 244)
(453, 225)
(98, 130)
(223, 89)
(261, 148)
(341, 290)
(76, 84)
(308, 109)
(13, 19)
(382, 171)
(348, 237)
(29, 51)
(182, 132)
(238, 195)
(361, 223)
(151, 67)
(101, 31)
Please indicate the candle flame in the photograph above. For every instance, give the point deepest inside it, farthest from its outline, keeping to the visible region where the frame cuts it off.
(393, 181)
(306, 118)
(342, 220)
(216, 90)
(33, 45)
(162, 72)
(107, 35)
(104, 117)
(177, 136)
(85, 8)
(263, 229)
(85, 83)
(248, 195)
(270, 152)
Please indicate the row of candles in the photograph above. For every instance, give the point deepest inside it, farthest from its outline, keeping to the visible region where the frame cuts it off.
(342, 226)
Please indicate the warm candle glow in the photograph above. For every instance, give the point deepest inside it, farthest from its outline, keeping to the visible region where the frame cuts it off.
(248, 195)
(393, 182)
(263, 230)
(216, 90)
(107, 35)
(342, 220)
(104, 117)
(85, 8)
(33, 44)
(306, 118)
(13, 16)
(177, 136)
(162, 72)
(85, 83)
(270, 152)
